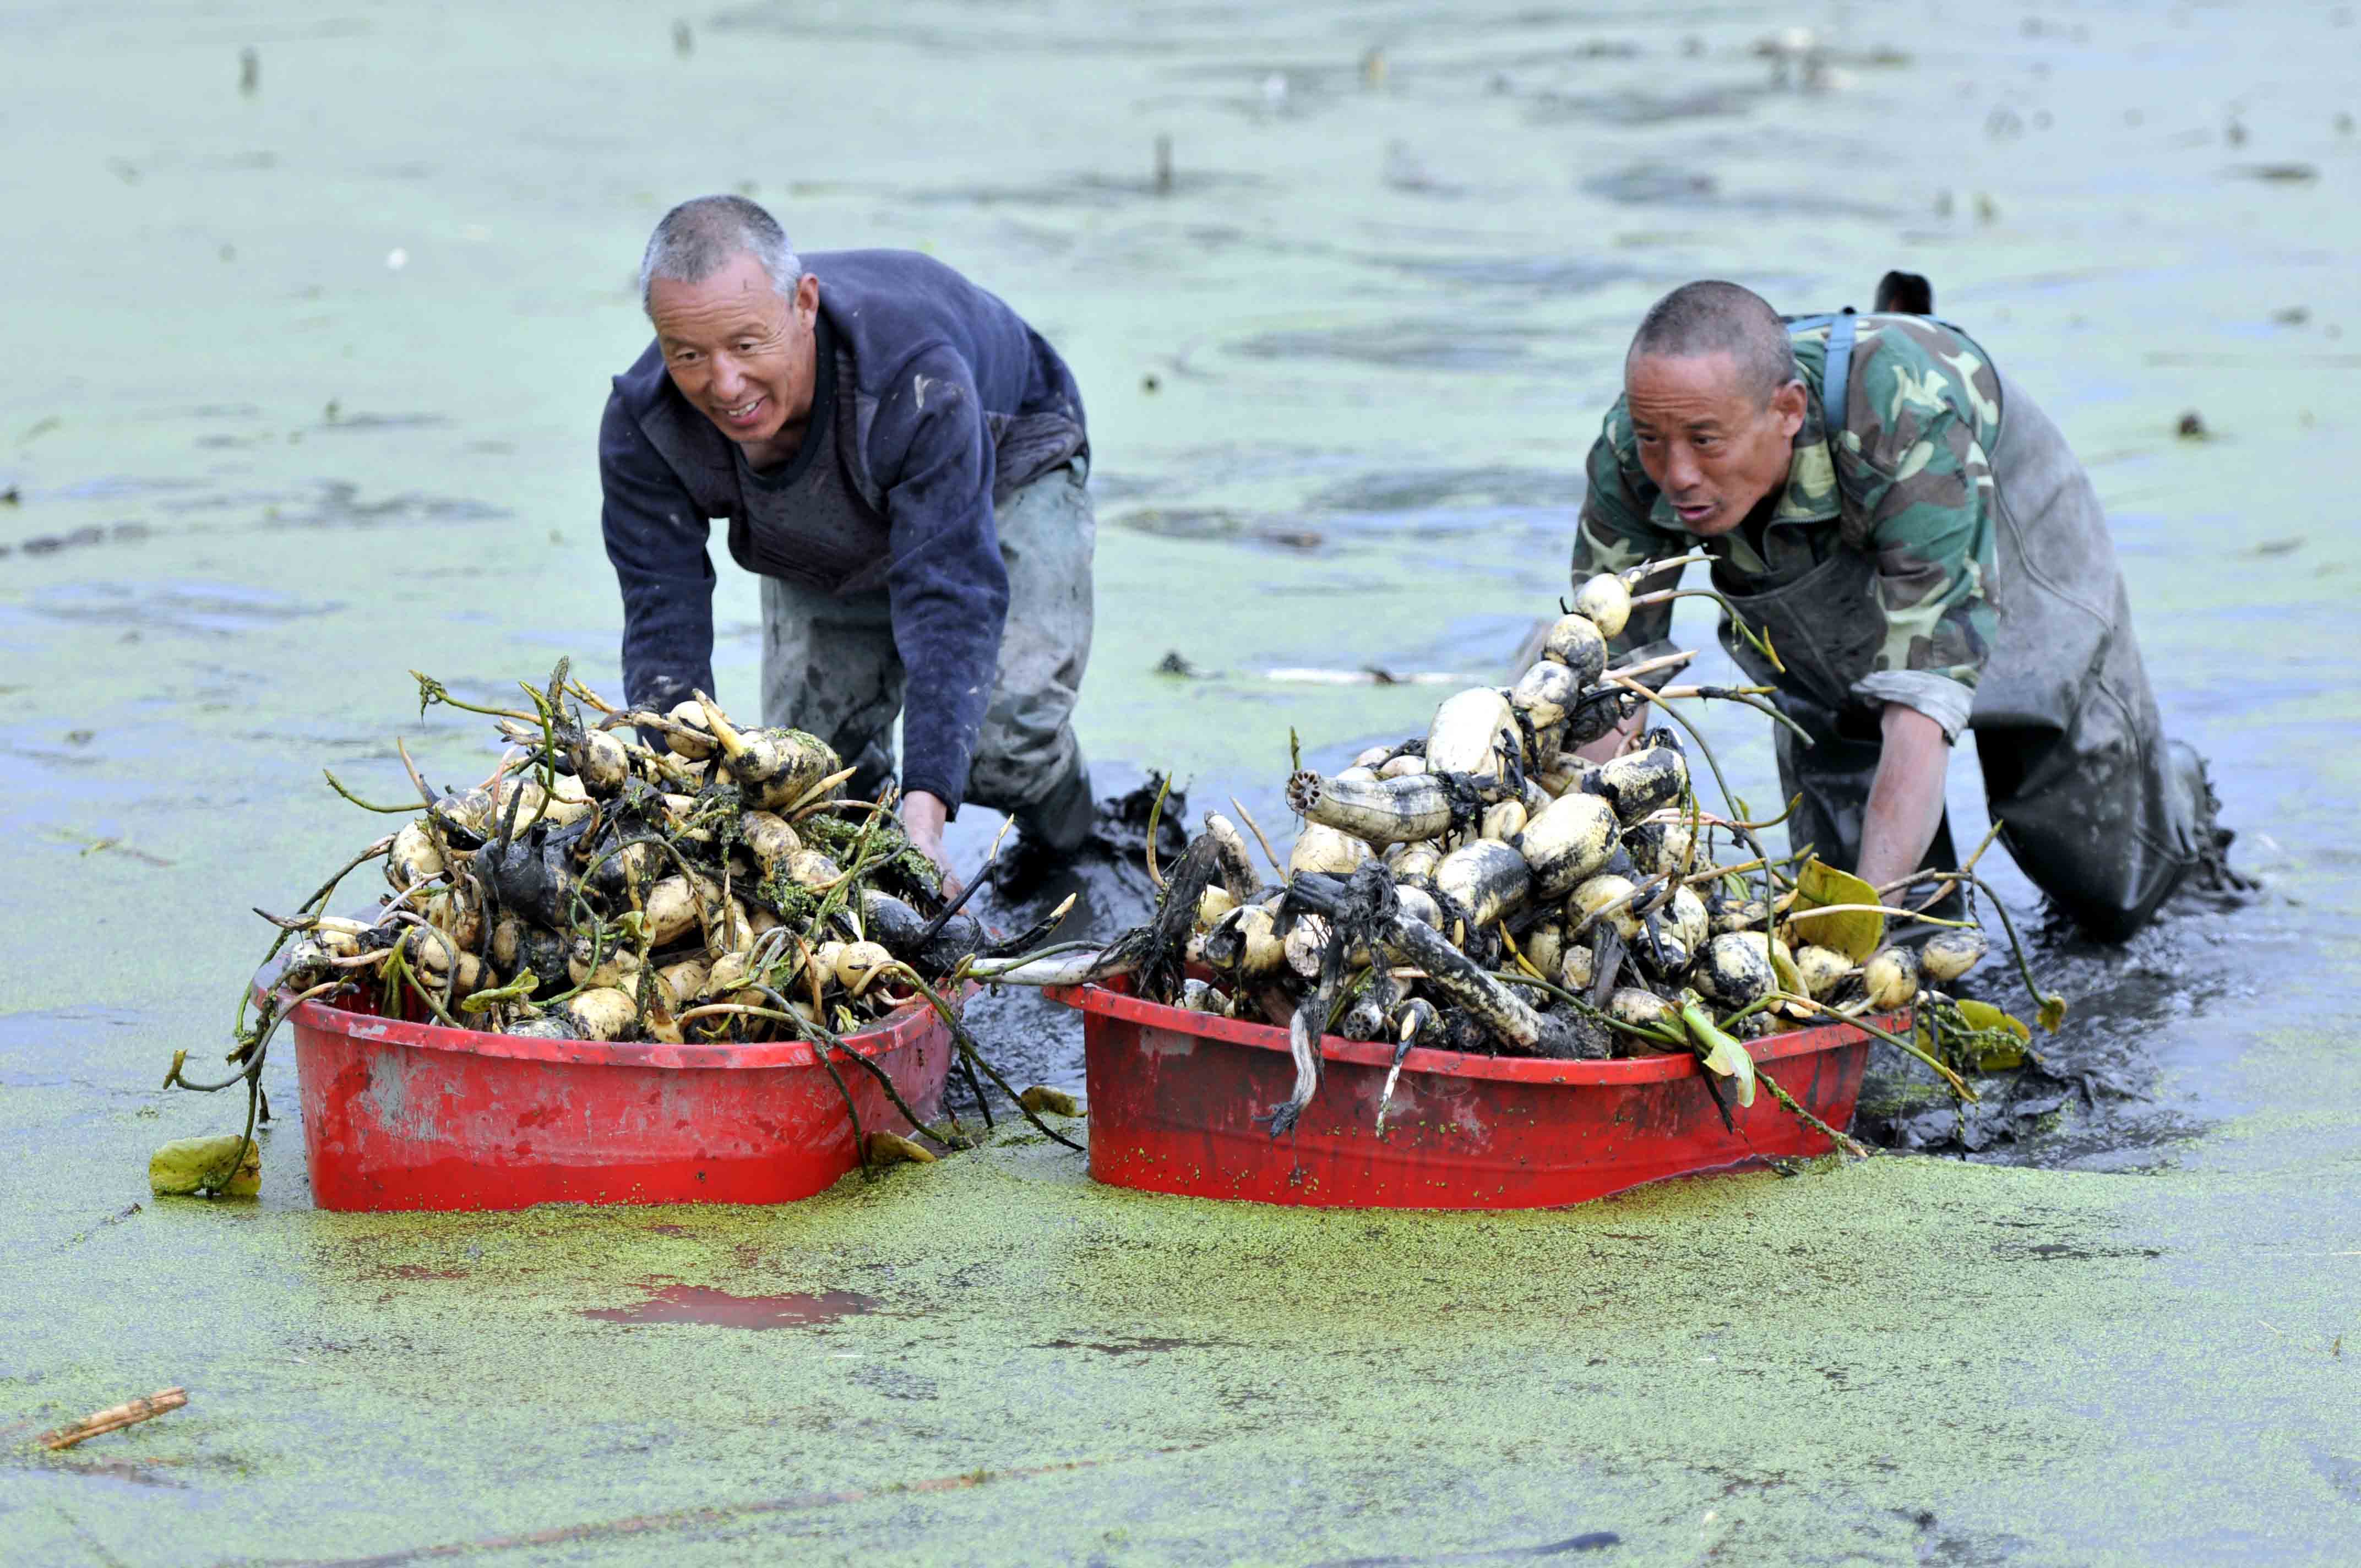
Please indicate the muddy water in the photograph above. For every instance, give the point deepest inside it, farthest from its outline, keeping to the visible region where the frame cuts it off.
(303, 386)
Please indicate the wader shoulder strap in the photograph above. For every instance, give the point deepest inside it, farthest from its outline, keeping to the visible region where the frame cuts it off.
(1838, 369)
(1838, 372)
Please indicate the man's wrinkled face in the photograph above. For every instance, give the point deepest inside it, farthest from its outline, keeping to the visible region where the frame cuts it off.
(737, 350)
(1708, 441)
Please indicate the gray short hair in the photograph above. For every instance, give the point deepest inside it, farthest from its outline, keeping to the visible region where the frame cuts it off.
(696, 239)
(1713, 317)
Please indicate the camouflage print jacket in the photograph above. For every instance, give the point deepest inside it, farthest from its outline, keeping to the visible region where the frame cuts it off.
(1908, 483)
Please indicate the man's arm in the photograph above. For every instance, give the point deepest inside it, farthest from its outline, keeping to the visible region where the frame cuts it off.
(655, 538)
(947, 583)
(1905, 799)
(1929, 495)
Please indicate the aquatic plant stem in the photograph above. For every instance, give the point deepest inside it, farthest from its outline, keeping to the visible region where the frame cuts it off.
(1960, 1086)
(1256, 828)
(1844, 1141)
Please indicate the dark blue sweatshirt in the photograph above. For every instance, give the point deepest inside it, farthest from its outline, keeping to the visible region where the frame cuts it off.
(954, 405)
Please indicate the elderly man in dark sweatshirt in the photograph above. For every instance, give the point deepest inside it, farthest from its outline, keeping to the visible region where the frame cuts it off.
(902, 460)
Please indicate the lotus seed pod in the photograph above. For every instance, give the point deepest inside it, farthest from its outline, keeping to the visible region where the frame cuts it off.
(1891, 979)
(1735, 971)
(1947, 955)
(1579, 642)
(1822, 970)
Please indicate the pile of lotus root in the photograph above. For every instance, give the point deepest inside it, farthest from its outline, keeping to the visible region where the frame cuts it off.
(1481, 888)
(629, 875)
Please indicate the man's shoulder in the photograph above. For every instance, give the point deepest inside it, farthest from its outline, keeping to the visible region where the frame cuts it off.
(1615, 437)
(1907, 369)
(638, 389)
(895, 298)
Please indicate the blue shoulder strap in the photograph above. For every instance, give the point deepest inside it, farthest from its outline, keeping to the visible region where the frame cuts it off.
(1838, 370)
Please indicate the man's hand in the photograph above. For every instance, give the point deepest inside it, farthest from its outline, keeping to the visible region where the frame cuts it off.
(1905, 801)
(922, 819)
(1610, 745)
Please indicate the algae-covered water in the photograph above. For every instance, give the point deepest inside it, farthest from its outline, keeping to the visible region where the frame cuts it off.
(304, 382)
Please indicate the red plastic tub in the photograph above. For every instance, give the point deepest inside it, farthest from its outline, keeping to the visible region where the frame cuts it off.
(403, 1116)
(1174, 1095)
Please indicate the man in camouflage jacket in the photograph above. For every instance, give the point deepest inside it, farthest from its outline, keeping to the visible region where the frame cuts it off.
(1931, 558)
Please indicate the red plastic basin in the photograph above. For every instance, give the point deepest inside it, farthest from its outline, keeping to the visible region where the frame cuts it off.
(1174, 1097)
(403, 1116)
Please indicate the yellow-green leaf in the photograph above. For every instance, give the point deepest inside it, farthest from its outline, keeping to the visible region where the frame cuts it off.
(1981, 1017)
(2053, 1012)
(1856, 933)
(205, 1165)
(1723, 1054)
(1984, 1016)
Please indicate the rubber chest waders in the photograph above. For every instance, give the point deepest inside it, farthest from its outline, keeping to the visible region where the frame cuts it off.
(2094, 805)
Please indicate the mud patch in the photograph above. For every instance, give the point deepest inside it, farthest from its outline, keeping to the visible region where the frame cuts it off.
(1452, 346)
(200, 609)
(702, 1304)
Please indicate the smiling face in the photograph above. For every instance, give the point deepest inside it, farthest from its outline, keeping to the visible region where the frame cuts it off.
(1710, 442)
(739, 352)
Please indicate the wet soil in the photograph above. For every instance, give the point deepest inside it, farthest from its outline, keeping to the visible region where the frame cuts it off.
(306, 382)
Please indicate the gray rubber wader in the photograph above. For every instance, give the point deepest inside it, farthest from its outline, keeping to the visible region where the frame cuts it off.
(829, 666)
(2096, 808)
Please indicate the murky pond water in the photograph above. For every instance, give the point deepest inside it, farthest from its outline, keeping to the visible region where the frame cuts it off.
(306, 383)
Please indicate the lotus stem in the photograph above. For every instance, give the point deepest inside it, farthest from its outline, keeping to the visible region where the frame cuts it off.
(1156, 816)
(336, 784)
(1960, 1086)
(1256, 828)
